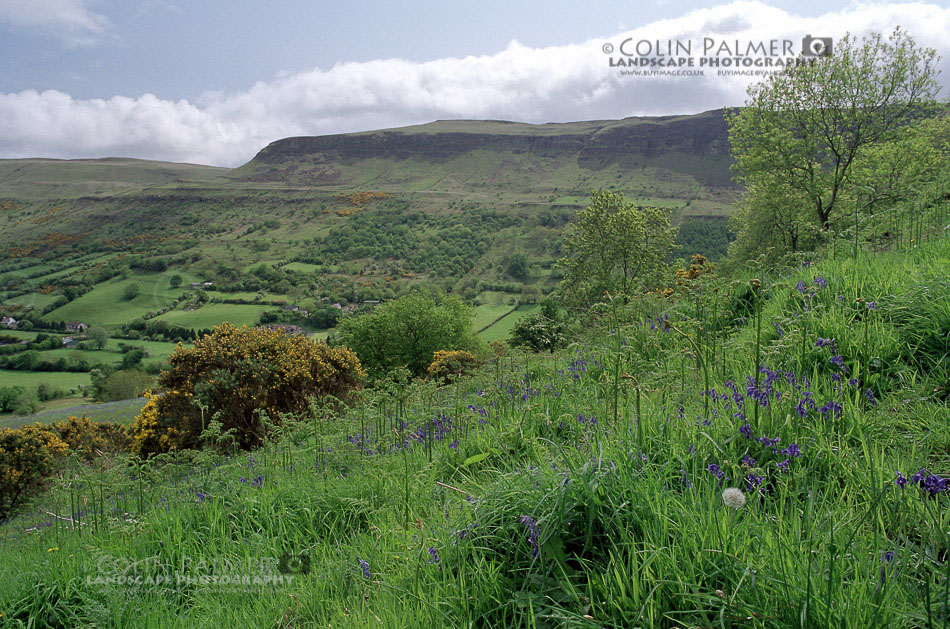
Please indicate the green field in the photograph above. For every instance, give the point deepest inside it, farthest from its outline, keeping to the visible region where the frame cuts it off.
(105, 304)
(30, 379)
(37, 300)
(485, 314)
(211, 315)
(502, 330)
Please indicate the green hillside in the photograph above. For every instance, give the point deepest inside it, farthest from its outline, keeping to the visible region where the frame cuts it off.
(342, 219)
(359, 216)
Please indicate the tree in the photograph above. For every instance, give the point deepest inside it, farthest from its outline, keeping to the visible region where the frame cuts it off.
(98, 335)
(804, 129)
(130, 292)
(531, 294)
(616, 247)
(409, 330)
(175, 281)
(518, 266)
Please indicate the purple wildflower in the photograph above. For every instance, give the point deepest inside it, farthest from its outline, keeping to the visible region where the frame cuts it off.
(869, 394)
(433, 555)
(901, 480)
(792, 451)
(532, 525)
(365, 566)
(821, 282)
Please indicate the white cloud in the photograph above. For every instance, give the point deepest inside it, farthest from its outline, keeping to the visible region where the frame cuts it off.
(70, 20)
(560, 83)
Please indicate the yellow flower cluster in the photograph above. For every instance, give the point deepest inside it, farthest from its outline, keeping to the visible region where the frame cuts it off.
(236, 373)
(454, 362)
(30, 454)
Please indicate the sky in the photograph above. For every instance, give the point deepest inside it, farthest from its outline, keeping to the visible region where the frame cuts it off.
(213, 82)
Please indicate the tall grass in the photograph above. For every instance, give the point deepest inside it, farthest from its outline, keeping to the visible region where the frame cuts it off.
(581, 489)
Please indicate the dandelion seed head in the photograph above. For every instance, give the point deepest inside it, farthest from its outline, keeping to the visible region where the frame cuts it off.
(733, 497)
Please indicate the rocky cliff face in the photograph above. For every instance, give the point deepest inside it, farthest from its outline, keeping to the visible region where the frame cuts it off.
(703, 135)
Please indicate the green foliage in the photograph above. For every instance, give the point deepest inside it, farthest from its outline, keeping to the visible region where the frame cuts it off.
(407, 331)
(706, 235)
(98, 336)
(110, 385)
(805, 131)
(518, 266)
(130, 292)
(324, 318)
(538, 332)
(175, 281)
(614, 247)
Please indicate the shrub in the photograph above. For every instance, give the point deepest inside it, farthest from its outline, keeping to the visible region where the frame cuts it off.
(27, 456)
(30, 454)
(236, 375)
(455, 363)
(538, 333)
(109, 385)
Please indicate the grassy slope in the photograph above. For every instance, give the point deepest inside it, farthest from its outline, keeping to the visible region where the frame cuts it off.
(61, 179)
(567, 521)
(106, 305)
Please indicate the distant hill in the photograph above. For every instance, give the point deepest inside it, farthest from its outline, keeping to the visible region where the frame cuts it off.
(39, 179)
(695, 146)
(359, 215)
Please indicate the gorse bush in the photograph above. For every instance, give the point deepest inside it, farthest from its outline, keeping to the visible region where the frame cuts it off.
(451, 363)
(29, 455)
(234, 376)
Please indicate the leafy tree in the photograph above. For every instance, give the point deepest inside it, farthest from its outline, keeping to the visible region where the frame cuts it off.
(518, 266)
(409, 330)
(98, 335)
(175, 281)
(803, 130)
(324, 317)
(130, 292)
(614, 246)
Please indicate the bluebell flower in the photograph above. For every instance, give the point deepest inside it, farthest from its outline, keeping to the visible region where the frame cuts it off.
(365, 566)
(433, 555)
(901, 480)
(532, 525)
(821, 282)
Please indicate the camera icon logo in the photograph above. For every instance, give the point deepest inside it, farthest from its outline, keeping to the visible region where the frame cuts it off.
(294, 564)
(816, 46)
